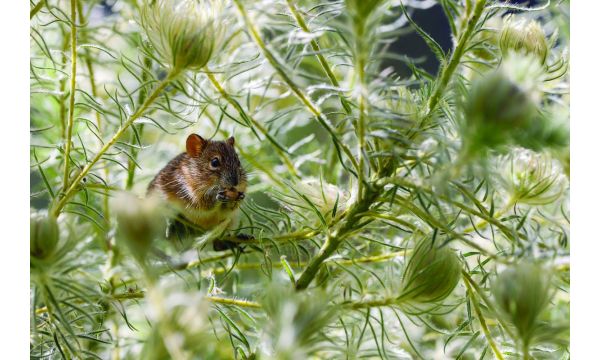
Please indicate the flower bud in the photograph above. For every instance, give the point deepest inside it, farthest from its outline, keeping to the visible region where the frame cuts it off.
(532, 178)
(522, 292)
(323, 195)
(139, 222)
(43, 235)
(430, 274)
(185, 33)
(524, 37)
(494, 109)
(293, 322)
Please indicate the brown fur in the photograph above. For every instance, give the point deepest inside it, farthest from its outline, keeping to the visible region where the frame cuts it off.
(192, 184)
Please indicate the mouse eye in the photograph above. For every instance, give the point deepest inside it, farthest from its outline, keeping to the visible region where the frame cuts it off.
(214, 163)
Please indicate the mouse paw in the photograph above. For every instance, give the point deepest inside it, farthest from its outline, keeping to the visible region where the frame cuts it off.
(244, 237)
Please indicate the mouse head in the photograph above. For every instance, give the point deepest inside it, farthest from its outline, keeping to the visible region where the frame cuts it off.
(217, 166)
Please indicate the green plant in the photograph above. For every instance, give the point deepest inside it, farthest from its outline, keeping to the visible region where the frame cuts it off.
(392, 216)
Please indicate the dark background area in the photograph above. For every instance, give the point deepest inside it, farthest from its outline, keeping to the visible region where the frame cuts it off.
(434, 22)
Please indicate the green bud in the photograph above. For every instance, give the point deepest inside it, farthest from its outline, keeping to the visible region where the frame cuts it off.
(522, 292)
(139, 222)
(532, 178)
(185, 33)
(293, 322)
(325, 197)
(431, 273)
(496, 110)
(524, 37)
(43, 235)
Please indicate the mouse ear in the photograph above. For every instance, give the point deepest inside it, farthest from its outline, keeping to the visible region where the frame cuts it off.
(231, 141)
(194, 145)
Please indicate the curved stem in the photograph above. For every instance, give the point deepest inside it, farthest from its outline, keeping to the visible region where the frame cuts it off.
(36, 8)
(350, 224)
(213, 299)
(450, 67)
(482, 323)
(487, 302)
(131, 165)
(94, 89)
(293, 87)
(71, 93)
(317, 49)
(140, 111)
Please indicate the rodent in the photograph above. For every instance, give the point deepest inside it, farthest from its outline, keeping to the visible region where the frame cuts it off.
(206, 184)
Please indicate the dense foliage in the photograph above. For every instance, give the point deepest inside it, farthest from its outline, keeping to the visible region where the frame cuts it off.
(399, 217)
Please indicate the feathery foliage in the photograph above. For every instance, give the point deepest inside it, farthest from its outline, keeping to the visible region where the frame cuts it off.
(394, 216)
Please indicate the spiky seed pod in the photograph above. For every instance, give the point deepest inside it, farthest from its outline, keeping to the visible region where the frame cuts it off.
(43, 235)
(495, 110)
(431, 273)
(524, 37)
(532, 178)
(139, 222)
(185, 33)
(522, 292)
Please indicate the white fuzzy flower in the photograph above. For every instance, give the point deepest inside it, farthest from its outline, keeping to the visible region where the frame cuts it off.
(533, 178)
(323, 195)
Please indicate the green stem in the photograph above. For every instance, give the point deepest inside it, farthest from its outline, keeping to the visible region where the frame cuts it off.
(317, 50)
(450, 67)
(131, 165)
(371, 303)
(277, 147)
(362, 108)
(295, 89)
(36, 8)
(333, 242)
(213, 299)
(62, 108)
(362, 260)
(487, 302)
(71, 93)
(90, 68)
(482, 323)
(140, 111)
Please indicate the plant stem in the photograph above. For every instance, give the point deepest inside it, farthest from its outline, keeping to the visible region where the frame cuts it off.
(36, 8)
(295, 89)
(362, 260)
(482, 323)
(317, 49)
(350, 224)
(71, 93)
(277, 147)
(213, 299)
(131, 165)
(62, 109)
(362, 108)
(449, 68)
(90, 68)
(139, 112)
(371, 303)
(487, 302)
